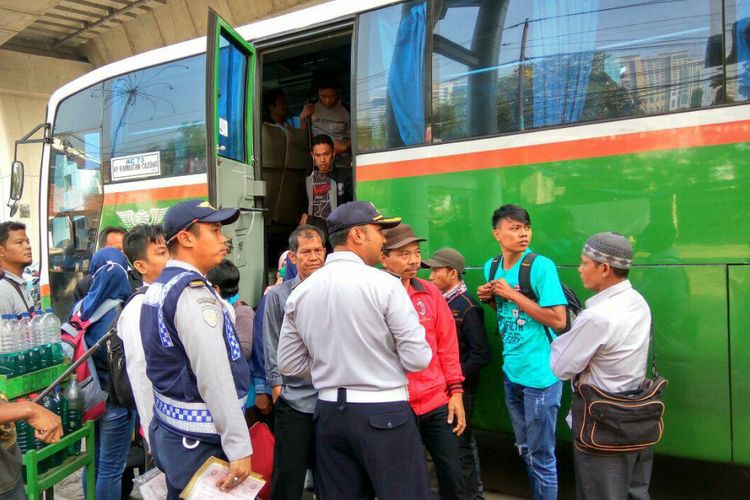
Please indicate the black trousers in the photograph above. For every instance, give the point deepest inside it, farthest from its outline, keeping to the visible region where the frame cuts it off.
(363, 450)
(445, 449)
(293, 452)
(470, 454)
(613, 477)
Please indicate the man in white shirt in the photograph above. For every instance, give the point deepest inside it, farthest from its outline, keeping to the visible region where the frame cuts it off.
(146, 249)
(607, 347)
(354, 329)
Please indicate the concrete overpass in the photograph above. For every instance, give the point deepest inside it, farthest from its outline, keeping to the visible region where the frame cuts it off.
(46, 43)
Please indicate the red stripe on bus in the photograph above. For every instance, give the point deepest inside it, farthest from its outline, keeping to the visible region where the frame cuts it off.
(639, 142)
(157, 194)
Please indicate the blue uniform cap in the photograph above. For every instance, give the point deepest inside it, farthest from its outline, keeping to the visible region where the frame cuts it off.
(358, 213)
(182, 215)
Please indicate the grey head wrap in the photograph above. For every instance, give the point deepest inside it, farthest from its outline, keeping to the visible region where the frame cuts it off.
(610, 248)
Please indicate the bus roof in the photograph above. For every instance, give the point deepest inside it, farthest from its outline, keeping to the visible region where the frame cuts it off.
(266, 28)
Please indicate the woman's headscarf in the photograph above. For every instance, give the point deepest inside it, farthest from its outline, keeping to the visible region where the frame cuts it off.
(109, 269)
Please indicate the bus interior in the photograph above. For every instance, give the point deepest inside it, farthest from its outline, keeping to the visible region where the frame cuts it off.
(284, 154)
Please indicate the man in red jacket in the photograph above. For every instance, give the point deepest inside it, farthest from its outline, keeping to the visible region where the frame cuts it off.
(435, 393)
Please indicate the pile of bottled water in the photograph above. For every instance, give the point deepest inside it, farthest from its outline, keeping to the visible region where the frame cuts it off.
(69, 405)
(29, 344)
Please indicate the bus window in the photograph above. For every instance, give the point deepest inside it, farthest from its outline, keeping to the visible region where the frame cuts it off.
(75, 186)
(738, 50)
(391, 90)
(157, 112)
(504, 66)
(231, 105)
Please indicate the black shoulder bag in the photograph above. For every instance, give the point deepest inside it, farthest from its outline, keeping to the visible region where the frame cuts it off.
(605, 422)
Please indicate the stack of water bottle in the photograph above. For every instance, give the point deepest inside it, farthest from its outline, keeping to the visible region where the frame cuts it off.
(69, 406)
(29, 344)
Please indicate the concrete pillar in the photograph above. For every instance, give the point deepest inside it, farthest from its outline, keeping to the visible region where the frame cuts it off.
(26, 83)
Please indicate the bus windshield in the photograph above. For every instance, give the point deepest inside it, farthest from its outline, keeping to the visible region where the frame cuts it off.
(154, 117)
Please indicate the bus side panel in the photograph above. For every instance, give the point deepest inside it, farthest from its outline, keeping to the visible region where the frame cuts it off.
(666, 202)
(685, 206)
(689, 305)
(739, 331)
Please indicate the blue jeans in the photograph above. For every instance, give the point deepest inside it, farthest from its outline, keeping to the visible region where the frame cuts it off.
(112, 434)
(533, 413)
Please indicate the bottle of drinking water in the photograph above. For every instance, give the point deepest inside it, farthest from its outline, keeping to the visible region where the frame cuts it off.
(52, 329)
(19, 357)
(38, 335)
(8, 362)
(33, 355)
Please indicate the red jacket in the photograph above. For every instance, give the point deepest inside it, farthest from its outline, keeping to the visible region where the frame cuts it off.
(430, 388)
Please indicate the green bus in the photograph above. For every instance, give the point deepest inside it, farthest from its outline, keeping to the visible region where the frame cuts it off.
(631, 116)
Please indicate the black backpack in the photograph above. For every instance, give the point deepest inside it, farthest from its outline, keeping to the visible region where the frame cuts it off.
(574, 306)
(120, 391)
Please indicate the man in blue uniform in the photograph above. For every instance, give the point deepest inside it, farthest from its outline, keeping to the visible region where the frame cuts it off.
(193, 354)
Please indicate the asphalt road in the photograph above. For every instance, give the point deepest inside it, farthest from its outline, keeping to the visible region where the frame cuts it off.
(504, 476)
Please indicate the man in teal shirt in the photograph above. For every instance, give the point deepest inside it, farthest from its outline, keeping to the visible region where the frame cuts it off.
(532, 392)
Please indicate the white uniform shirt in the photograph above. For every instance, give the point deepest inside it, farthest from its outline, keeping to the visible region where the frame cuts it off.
(608, 342)
(351, 326)
(129, 331)
(205, 348)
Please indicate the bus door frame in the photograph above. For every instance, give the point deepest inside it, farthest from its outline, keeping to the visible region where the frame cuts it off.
(232, 182)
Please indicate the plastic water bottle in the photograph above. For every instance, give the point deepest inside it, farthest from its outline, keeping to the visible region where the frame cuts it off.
(33, 355)
(24, 436)
(74, 396)
(63, 407)
(38, 334)
(52, 328)
(19, 356)
(59, 406)
(6, 349)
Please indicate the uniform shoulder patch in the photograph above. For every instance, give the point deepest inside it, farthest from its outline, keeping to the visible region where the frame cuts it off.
(197, 284)
(210, 316)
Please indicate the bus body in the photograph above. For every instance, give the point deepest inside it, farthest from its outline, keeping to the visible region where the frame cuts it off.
(595, 115)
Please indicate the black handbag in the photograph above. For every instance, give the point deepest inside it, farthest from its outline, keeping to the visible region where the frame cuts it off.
(605, 422)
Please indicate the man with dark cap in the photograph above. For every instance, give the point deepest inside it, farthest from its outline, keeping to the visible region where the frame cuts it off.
(357, 353)
(435, 393)
(447, 267)
(607, 347)
(193, 356)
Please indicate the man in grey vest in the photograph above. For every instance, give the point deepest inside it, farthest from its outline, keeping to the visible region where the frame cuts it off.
(15, 255)
(294, 398)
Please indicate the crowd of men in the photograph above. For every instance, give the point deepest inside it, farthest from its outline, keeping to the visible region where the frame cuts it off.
(361, 371)
(367, 367)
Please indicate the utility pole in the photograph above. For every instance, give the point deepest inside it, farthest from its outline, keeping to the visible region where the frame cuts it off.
(521, 65)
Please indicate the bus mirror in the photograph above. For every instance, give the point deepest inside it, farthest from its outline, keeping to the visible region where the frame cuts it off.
(16, 186)
(16, 180)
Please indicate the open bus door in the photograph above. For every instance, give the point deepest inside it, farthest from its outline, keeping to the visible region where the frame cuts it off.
(230, 78)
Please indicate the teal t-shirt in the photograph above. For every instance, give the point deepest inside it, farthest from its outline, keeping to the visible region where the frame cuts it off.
(526, 346)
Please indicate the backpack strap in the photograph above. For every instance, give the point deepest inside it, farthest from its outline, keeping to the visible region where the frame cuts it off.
(524, 276)
(103, 309)
(29, 308)
(493, 267)
(524, 285)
